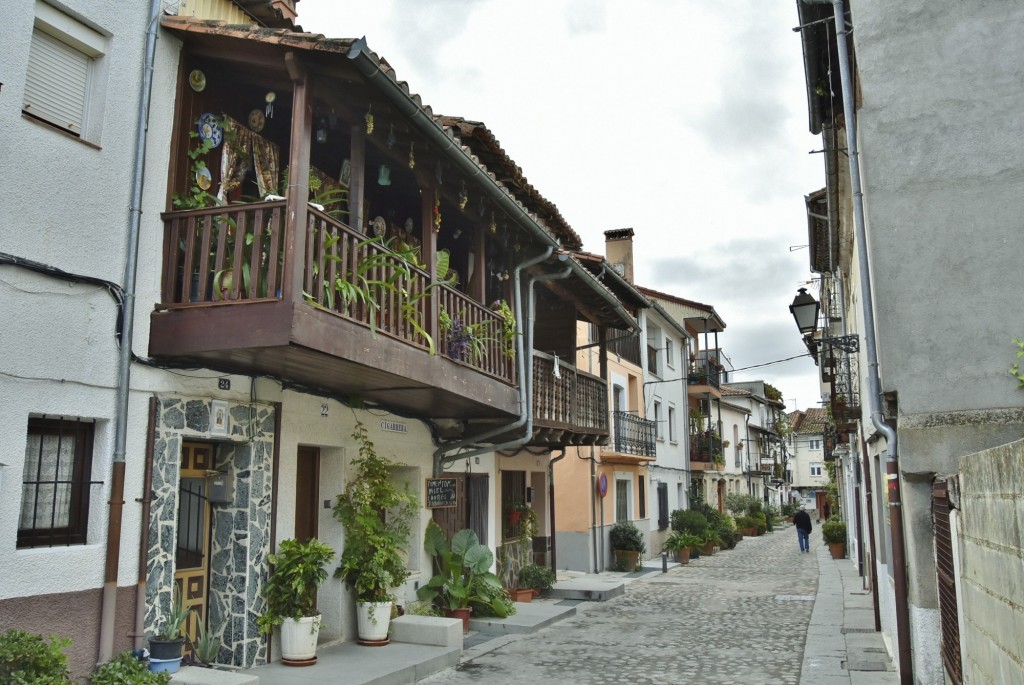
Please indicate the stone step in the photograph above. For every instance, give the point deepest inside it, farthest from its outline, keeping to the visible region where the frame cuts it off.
(196, 675)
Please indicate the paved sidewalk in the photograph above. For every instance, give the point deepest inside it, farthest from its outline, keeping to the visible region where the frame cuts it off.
(842, 646)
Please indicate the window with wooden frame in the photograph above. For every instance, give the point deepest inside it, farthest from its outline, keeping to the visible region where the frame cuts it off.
(56, 482)
(61, 71)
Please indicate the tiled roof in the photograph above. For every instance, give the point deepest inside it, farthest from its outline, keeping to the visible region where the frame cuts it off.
(734, 392)
(811, 421)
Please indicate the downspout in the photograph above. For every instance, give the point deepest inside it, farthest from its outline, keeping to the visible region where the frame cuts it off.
(870, 347)
(746, 445)
(441, 461)
(116, 504)
(524, 399)
(551, 506)
(593, 505)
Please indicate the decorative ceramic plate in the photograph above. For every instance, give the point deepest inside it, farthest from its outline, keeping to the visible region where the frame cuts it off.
(409, 225)
(197, 79)
(257, 120)
(210, 129)
(203, 178)
(346, 172)
(379, 226)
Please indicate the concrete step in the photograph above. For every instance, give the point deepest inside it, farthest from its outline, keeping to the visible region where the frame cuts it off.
(196, 675)
(587, 588)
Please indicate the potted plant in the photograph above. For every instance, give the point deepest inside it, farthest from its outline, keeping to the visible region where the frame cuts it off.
(296, 574)
(681, 544)
(462, 579)
(538, 578)
(165, 646)
(376, 513)
(834, 533)
(627, 544)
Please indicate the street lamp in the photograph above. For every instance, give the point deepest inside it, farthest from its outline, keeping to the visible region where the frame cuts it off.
(805, 312)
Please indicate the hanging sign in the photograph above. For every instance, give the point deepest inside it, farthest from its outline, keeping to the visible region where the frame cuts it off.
(442, 493)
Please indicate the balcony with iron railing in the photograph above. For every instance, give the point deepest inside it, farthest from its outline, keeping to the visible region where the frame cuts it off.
(633, 439)
(703, 377)
(706, 451)
(367, 321)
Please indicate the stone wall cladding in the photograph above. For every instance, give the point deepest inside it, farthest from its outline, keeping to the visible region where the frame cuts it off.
(992, 558)
(240, 537)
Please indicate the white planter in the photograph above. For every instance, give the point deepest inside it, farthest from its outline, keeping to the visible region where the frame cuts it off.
(374, 619)
(298, 638)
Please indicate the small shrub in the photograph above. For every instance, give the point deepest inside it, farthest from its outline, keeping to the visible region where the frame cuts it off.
(125, 669)
(26, 658)
(833, 531)
(744, 522)
(421, 608)
(625, 536)
(689, 521)
(537, 577)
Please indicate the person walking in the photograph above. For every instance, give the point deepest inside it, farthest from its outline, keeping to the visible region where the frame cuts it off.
(803, 524)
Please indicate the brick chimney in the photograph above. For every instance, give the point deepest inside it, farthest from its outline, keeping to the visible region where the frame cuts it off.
(618, 250)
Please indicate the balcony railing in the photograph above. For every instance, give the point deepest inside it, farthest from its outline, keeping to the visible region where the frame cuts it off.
(574, 398)
(236, 255)
(626, 346)
(634, 435)
(703, 373)
(707, 448)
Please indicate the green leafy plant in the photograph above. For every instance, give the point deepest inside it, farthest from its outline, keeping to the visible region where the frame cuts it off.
(422, 608)
(207, 645)
(688, 521)
(677, 541)
(834, 531)
(1015, 369)
(377, 514)
(197, 198)
(172, 626)
(537, 577)
(126, 669)
(625, 536)
(298, 570)
(464, 341)
(28, 659)
(462, 576)
(509, 331)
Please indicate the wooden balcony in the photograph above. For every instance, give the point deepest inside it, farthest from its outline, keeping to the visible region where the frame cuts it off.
(570, 408)
(365, 324)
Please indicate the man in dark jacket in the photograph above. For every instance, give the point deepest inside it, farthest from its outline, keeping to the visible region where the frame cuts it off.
(802, 521)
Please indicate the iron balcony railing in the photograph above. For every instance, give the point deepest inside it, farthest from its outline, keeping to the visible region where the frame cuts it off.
(634, 435)
(704, 373)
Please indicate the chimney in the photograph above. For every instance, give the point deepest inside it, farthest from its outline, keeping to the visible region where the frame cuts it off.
(618, 250)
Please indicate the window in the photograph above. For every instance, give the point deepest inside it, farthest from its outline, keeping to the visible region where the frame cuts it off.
(672, 424)
(61, 70)
(622, 499)
(659, 424)
(55, 483)
(669, 355)
(815, 444)
(643, 496)
(816, 469)
(663, 516)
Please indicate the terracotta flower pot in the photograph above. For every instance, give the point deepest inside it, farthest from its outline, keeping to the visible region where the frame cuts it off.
(627, 559)
(462, 613)
(837, 550)
(524, 594)
(683, 555)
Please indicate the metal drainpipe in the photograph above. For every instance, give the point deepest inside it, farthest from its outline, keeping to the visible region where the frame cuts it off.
(870, 347)
(528, 430)
(113, 556)
(524, 400)
(593, 504)
(551, 505)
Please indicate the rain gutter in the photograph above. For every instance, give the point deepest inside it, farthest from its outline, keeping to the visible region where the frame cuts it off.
(108, 609)
(899, 561)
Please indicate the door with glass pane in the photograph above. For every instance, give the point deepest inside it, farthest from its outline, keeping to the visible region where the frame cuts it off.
(193, 542)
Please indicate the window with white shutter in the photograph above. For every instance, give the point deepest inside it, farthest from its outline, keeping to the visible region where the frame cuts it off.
(60, 67)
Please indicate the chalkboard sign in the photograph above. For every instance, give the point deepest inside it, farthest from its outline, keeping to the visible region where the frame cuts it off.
(442, 493)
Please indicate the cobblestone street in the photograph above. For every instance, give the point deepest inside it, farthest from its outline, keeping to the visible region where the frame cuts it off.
(738, 617)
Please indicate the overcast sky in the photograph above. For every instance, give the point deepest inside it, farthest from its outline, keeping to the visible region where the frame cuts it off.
(685, 120)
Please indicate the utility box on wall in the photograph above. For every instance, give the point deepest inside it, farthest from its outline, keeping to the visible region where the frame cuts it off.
(221, 489)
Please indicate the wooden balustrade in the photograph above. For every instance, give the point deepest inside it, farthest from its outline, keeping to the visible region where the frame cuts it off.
(573, 398)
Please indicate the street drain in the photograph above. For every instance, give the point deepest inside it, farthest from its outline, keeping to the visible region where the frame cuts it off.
(857, 630)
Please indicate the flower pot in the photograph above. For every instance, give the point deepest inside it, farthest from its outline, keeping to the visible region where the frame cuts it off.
(164, 665)
(463, 613)
(521, 594)
(165, 649)
(536, 592)
(298, 638)
(708, 549)
(627, 559)
(837, 550)
(373, 620)
(683, 555)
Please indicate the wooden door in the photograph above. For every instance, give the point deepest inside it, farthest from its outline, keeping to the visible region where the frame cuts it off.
(192, 551)
(307, 493)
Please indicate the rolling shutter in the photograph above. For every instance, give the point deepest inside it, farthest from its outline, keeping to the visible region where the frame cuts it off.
(55, 88)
